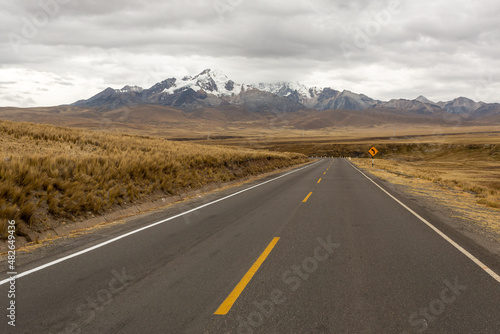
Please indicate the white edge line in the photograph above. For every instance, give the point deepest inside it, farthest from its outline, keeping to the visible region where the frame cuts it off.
(444, 236)
(144, 228)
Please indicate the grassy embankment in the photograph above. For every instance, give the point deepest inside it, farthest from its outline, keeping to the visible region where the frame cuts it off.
(50, 175)
(473, 168)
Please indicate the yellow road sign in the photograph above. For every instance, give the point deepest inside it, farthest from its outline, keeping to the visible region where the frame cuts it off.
(373, 151)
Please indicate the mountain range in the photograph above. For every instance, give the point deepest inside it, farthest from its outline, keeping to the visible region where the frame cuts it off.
(212, 88)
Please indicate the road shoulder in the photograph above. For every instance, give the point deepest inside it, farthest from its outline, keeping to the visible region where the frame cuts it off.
(454, 212)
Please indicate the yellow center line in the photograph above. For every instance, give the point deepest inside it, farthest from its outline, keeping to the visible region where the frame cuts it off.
(231, 299)
(319, 180)
(324, 173)
(307, 197)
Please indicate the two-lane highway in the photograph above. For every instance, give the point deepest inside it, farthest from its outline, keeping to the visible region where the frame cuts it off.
(319, 250)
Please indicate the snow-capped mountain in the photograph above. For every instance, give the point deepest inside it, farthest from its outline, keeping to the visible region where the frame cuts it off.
(129, 89)
(212, 88)
(288, 89)
(211, 81)
(215, 82)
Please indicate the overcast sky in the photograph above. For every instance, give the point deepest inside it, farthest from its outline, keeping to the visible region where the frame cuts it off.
(58, 51)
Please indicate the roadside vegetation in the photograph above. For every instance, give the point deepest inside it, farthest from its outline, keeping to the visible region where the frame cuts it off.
(465, 159)
(473, 168)
(52, 174)
(467, 162)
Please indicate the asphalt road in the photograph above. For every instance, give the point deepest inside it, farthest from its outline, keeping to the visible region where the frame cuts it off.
(349, 259)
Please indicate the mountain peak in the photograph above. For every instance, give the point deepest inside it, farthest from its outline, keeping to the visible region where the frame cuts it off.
(460, 105)
(293, 90)
(463, 99)
(210, 81)
(129, 89)
(216, 73)
(423, 99)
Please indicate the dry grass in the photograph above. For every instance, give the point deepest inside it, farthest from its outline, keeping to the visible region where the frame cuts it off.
(465, 158)
(445, 156)
(263, 127)
(471, 168)
(52, 174)
(355, 142)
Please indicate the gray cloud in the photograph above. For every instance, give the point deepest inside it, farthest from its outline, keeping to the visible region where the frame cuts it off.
(385, 49)
(16, 100)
